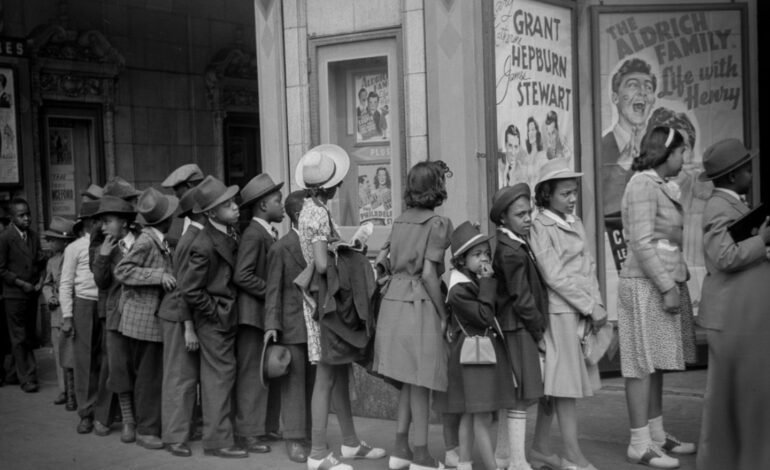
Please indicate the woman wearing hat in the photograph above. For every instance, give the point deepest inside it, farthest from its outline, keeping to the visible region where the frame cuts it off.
(561, 248)
(58, 235)
(654, 309)
(321, 171)
(734, 311)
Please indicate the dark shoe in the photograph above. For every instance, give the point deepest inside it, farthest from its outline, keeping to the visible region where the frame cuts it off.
(29, 387)
(271, 436)
(296, 451)
(100, 429)
(61, 399)
(179, 449)
(254, 445)
(128, 433)
(71, 405)
(227, 453)
(149, 441)
(86, 425)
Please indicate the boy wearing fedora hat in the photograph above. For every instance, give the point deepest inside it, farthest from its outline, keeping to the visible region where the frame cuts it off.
(263, 198)
(145, 272)
(733, 310)
(181, 180)
(58, 235)
(116, 217)
(284, 319)
(209, 291)
(181, 363)
(78, 300)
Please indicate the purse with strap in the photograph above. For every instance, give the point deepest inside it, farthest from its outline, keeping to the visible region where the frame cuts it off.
(477, 350)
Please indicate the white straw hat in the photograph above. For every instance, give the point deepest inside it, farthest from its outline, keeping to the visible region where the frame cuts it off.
(323, 166)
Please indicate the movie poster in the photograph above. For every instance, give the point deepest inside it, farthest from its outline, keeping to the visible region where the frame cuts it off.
(534, 75)
(372, 107)
(61, 171)
(9, 144)
(375, 197)
(681, 68)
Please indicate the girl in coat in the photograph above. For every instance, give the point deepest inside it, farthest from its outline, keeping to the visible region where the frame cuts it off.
(522, 308)
(409, 344)
(655, 316)
(560, 246)
(477, 391)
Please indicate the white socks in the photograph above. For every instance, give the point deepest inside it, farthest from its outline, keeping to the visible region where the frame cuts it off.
(517, 434)
(640, 439)
(502, 450)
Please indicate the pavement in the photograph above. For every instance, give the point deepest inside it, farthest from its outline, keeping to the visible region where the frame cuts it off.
(35, 434)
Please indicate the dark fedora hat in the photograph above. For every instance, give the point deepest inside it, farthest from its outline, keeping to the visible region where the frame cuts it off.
(274, 363)
(187, 204)
(211, 192)
(506, 196)
(93, 192)
(114, 205)
(154, 207)
(121, 188)
(88, 208)
(259, 186)
(723, 157)
(60, 228)
(465, 237)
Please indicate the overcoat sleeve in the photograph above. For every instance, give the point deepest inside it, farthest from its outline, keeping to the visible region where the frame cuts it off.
(518, 287)
(274, 289)
(134, 270)
(193, 283)
(251, 253)
(474, 307)
(719, 246)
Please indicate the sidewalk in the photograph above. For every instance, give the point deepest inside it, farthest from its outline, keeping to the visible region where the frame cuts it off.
(35, 434)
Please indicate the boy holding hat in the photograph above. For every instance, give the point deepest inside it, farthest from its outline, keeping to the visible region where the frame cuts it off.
(284, 316)
(733, 310)
(209, 291)
(116, 215)
(58, 235)
(263, 198)
(181, 363)
(77, 298)
(145, 272)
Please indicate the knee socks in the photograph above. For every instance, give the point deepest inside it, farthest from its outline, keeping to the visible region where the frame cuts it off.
(126, 401)
(517, 433)
(502, 448)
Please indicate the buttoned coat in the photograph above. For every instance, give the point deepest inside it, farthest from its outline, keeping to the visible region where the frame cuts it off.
(251, 273)
(207, 285)
(522, 295)
(109, 288)
(173, 307)
(141, 271)
(283, 299)
(51, 286)
(19, 259)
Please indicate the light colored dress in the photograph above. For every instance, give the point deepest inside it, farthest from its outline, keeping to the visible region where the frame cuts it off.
(315, 224)
(409, 346)
(569, 270)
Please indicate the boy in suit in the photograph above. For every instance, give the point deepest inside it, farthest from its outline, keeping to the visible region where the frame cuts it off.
(181, 364)
(263, 198)
(116, 217)
(145, 272)
(208, 289)
(21, 264)
(285, 322)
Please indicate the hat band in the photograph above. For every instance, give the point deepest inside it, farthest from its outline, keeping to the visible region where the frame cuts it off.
(670, 137)
(468, 244)
(60, 233)
(334, 172)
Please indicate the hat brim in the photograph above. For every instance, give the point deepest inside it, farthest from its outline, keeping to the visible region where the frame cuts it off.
(747, 158)
(116, 212)
(173, 205)
(228, 194)
(477, 240)
(559, 175)
(499, 207)
(263, 378)
(50, 234)
(341, 166)
(266, 192)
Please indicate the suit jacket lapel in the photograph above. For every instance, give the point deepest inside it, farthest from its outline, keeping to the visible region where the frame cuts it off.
(506, 240)
(24, 246)
(223, 244)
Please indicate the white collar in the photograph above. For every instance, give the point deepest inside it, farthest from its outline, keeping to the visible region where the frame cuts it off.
(512, 235)
(195, 224)
(221, 227)
(567, 222)
(21, 234)
(128, 241)
(730, 192)
(161, 236)
(264, 223)
(456, 277)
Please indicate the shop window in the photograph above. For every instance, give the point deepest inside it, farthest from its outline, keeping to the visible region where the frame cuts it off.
(357, 103)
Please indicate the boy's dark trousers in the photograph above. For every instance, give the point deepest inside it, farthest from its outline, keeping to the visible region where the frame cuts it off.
(146, 368)
(21, 321)
(181, 369)
(296, 391)
(88, 354)
(217, 366)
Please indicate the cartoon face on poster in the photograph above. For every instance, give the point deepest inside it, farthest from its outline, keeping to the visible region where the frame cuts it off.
(534, 75)
(375, 196)
(677, 68)
(372, 107)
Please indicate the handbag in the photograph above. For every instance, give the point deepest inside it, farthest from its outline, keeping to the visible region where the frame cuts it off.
(596, 345)
(477, 350)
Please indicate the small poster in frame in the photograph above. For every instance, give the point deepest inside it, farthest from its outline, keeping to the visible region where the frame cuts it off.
(10, 170)
(372, 105)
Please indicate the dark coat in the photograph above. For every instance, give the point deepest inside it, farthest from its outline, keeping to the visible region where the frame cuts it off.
(522, 295)
(173, 307)
(19, 259)
(109, 288)
(207, 285)
(251, 273)
(283, 299)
